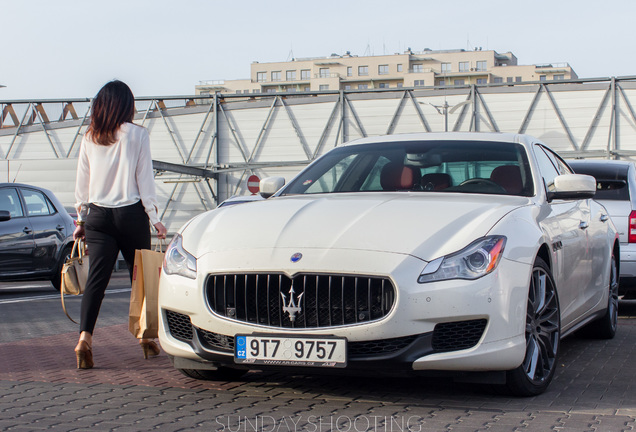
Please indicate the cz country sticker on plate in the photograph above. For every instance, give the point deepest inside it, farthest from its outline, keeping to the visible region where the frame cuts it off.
(276, 350)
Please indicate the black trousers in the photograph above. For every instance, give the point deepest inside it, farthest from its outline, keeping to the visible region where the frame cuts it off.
(108, 231)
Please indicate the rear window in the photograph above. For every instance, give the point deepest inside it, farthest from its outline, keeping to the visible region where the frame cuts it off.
(611, 179)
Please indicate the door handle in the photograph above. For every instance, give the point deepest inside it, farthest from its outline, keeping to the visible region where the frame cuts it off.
(604, 218)
(583, 225)
(27, 230)
(60, 227)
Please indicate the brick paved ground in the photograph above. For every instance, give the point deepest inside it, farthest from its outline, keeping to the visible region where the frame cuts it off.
(40, 388)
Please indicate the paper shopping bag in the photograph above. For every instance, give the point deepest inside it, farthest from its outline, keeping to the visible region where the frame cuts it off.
(143, 320)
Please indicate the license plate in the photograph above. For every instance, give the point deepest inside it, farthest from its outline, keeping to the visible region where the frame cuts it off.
(290, 350)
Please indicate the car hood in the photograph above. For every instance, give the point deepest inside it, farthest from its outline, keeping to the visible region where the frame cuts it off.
(422, 225)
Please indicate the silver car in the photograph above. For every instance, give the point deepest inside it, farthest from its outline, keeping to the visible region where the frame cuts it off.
(616, 190)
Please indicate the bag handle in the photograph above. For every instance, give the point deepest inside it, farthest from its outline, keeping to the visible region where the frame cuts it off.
(64, 308)
(159, 246)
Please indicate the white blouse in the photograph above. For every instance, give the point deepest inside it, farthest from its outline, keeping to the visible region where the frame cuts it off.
(117, 175)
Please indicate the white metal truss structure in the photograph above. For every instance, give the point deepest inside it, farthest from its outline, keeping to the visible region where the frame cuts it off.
(205, 147)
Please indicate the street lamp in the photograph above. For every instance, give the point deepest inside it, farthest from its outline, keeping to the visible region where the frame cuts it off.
(444, 109)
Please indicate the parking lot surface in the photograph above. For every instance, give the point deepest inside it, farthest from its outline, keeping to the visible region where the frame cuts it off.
(40, 388)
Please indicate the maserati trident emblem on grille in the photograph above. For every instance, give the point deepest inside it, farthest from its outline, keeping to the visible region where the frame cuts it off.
(296, 257)
(293, 307)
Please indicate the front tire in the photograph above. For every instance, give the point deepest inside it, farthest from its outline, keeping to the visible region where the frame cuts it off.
(56, 279)
(543, 336)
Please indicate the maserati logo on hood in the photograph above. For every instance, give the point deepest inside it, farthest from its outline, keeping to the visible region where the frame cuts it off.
(293, 306)
(296, 257)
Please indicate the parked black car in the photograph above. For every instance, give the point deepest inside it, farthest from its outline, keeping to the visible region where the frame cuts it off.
(36, 234)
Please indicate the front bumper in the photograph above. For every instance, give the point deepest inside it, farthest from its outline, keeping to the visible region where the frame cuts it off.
(455, 325)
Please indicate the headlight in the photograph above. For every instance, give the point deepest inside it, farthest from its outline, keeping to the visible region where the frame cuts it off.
(478, 259)
(179, 261)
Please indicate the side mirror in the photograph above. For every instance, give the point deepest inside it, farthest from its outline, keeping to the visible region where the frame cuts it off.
(270, 185)
(573, 186)
(5, 215)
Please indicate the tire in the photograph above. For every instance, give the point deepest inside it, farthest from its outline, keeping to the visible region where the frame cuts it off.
(220, 374)
(605, 327)
(56, 279)
(543, 336)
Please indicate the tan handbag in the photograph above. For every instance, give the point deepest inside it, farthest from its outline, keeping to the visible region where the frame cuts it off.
(143, 318)
(74, 273)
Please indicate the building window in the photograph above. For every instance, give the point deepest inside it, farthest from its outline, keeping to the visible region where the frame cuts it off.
(384, 85)
(324, 72)
(291, 89)
(459, 82)
(290, 75)
(277, 76)
(347, 87)
(261, 76)
(517, 79)
(481, 65)
(307, 88)
(418, 83)
(383, 69)
(305, 74)
(559, 77)
(324, 87)
(363, 70)
(482, 81)
(363, 86)
(418, 68)
(271, 90)
(349, 71)
(399, 68)
(441, 83)
(256, 91)
(446, 67)
(509, 79)
(463, 66)
(497, 80)
(238, 92)
(400, 85)
(542, 77)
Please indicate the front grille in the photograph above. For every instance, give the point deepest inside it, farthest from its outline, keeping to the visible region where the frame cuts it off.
(306, 301)
(381, 346)
(217, 341)
(179, 326)
(458, 335)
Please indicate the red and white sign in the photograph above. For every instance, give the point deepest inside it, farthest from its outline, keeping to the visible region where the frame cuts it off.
(253, 184)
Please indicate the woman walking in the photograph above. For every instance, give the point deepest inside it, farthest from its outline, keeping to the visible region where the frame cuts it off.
(116, 202)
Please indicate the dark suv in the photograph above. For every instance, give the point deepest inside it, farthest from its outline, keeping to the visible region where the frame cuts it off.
(36, 234)
(616, 190)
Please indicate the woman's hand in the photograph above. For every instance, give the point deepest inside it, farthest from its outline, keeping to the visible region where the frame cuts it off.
(161, 230)
(79, 232)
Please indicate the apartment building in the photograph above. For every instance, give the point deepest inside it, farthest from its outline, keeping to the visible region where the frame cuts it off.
(428, 68)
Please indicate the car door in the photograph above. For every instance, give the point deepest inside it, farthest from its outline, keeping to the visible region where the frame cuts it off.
(567, 222)
(16, 235)
(49, 230)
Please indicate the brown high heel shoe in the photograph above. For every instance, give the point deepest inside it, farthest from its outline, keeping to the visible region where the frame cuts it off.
(150, 348)
(84, 355)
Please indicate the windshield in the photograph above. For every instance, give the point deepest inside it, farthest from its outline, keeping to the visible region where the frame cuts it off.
(419, 166)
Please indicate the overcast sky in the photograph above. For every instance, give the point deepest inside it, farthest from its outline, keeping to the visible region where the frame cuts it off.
(70, 48)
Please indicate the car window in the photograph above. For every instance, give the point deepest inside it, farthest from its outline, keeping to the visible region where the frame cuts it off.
(36, 203)
(546, 166)
(611, 180)
(420, 166)
(10, 201)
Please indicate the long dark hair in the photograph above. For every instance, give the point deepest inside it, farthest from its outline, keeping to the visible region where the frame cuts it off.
(113, 106)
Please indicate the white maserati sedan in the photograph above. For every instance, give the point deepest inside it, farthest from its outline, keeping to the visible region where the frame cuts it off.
(469, 255)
